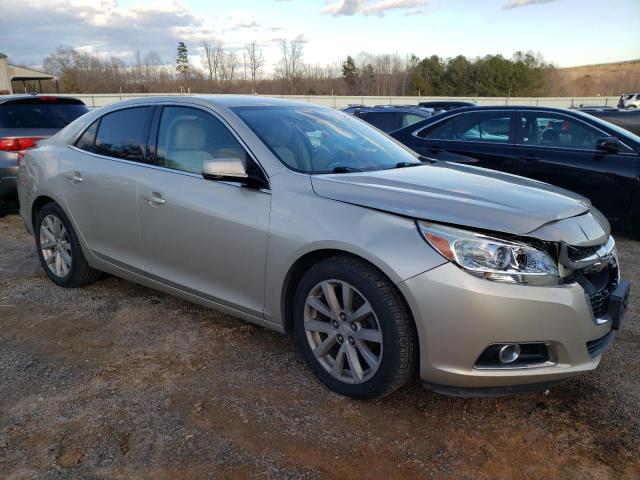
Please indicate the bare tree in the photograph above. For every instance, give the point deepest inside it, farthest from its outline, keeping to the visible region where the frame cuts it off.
(256, 62)
(228, 64)
(291, 61)
(212, 53)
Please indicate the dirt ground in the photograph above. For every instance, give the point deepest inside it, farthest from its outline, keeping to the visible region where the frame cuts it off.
(118, 381)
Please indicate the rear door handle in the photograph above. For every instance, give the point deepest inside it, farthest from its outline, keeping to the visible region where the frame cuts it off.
(154, 198)
(75, 177)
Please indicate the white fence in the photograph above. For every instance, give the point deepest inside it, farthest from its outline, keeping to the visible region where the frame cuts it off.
(99, 100)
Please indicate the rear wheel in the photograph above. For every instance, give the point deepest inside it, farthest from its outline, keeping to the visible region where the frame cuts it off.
(354, 328)
(59, 250)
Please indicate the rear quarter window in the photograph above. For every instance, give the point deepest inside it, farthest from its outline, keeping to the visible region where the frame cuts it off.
(88, 138)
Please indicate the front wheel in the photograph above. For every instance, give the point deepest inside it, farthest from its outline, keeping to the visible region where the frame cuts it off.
(354, 328)
(59, 251)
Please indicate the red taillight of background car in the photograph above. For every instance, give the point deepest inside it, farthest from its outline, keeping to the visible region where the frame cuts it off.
(16, 144)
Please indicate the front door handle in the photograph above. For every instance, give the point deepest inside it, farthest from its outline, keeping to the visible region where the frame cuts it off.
(75, 177)
(154, 198)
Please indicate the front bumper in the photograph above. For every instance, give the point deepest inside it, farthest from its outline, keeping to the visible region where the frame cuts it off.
(458, 315)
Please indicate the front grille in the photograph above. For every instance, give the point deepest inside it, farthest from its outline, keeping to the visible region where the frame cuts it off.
(596, 347)
(578, 253)
(600, 299)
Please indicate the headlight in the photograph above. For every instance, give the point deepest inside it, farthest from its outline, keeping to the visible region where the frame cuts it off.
(492, 258)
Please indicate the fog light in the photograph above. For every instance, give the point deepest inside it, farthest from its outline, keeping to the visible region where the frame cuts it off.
(509, 353)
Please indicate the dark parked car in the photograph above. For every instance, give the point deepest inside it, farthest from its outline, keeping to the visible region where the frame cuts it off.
(390, 117)
(24, 120)
(628, 119)
(567, 148)
(445, 105)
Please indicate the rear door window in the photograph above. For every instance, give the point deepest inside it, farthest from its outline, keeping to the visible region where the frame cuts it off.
(490, 127)
(123, 134)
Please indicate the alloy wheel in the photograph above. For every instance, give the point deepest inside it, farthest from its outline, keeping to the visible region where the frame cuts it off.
(55, 246)
(343, 331)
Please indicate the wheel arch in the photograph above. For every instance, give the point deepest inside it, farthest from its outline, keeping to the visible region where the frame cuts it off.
(306, 261)
(37, 205)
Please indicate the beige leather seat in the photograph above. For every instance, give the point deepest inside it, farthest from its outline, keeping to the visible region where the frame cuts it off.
(186, 150)
(282, 138)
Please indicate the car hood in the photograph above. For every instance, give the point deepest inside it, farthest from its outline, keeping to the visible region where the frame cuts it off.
(456, 194)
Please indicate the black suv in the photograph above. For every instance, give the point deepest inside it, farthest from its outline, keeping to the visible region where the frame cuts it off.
(390, 117)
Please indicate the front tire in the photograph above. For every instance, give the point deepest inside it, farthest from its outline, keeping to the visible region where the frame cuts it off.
(354, 328)
(59, 251)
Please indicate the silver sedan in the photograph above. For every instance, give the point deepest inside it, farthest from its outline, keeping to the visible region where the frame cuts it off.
(382, 264)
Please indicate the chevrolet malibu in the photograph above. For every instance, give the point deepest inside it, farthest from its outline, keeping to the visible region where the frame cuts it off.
(306, 220)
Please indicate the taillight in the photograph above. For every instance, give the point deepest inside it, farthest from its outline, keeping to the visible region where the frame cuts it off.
(18, 143)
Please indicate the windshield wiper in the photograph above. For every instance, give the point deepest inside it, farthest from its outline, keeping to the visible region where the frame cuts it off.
(344, 169)
(407, 164)
(424, 160)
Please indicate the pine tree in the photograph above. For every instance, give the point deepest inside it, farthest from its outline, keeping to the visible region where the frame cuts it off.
(182, 61)
(350, 73)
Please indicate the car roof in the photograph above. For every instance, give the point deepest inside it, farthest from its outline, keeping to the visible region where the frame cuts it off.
(481, 108)
(221, 100)
(447, 102)
(392, 108)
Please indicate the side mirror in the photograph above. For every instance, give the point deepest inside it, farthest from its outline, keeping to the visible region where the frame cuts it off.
(231, 169)
(608, 144)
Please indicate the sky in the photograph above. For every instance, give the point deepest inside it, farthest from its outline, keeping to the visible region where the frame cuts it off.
(566, 32)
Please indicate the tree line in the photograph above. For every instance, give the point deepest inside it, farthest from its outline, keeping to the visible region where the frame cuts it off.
(227, 69)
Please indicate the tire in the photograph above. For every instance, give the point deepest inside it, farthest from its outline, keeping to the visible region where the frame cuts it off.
(52, 220)
(386, 359)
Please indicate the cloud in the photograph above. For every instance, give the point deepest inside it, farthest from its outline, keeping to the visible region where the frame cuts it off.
(415, 13)
(252, 24)
(100, 27)
(372, 7)
(109, 28)
(524, 3)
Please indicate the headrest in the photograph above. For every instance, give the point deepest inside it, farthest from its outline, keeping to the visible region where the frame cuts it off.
(187, 135)
(277, 133)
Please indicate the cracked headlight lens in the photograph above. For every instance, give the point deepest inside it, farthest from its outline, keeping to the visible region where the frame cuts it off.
(492, 258)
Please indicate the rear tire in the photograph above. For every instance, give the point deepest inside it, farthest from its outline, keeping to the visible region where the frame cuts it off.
(354, 353)
(59, 251)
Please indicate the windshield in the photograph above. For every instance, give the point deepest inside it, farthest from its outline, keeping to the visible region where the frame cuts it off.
(622, 132)
(318, 140)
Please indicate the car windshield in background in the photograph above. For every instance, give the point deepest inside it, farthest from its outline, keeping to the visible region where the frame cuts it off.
(316, 140)
(622, 132)
(39, 115)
